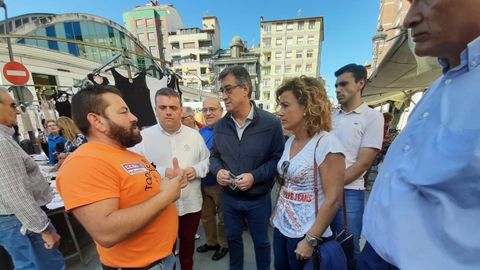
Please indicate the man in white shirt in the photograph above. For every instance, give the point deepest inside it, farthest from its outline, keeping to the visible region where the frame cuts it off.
(360, 130)
(170, 139)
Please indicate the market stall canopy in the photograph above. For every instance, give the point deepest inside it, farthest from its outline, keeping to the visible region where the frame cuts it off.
(400, 73)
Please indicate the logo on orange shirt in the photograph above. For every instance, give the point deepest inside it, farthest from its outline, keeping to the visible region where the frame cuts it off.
(134, 168)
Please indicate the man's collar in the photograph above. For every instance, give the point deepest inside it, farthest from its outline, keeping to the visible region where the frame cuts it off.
(250, 114)
(358, 110)
(170, 134)
(470, 57)
(7, 131)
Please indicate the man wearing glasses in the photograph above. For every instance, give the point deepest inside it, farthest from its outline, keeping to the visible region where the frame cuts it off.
(212, 207)
(188, 118)
(248, 142)
(25, 230)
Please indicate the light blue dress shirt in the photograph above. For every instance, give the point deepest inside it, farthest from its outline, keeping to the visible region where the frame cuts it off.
(424, 209)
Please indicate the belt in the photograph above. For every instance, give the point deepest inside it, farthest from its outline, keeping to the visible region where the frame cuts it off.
(105, 267)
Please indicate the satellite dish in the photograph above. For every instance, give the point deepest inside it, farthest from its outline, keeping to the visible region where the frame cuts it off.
(22, 94)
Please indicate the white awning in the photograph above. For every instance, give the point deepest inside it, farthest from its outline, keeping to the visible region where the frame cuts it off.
(400, 73)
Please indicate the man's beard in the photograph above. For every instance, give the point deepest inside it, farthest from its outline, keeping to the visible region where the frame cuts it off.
(125, 136)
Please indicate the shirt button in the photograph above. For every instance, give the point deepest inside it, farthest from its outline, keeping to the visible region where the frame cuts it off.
(448, 82)
(474, 63)
(406, 148)
(426, 114)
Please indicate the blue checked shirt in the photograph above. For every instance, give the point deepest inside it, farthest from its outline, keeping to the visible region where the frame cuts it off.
(424, 209)
(23, 189)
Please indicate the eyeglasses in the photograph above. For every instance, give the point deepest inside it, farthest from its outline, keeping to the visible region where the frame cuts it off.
(228, 89)
(281, 179)
(341, 84)
(188, 116)
(212, 110)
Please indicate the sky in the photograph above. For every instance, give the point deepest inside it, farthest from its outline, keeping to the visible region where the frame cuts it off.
(349, 24)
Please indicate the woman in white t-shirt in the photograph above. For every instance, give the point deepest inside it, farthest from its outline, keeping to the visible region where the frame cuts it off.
(305, 110)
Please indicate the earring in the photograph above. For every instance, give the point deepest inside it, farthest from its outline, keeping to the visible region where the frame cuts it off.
(304, 114)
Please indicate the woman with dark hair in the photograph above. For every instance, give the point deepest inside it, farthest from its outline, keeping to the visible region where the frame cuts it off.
(307, 203)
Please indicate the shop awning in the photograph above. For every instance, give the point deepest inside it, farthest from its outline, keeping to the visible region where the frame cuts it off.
(400, 73)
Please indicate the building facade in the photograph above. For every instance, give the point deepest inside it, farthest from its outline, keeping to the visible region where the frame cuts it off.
(151, 25)
(239, 54)
(192, 51)
(290, 47)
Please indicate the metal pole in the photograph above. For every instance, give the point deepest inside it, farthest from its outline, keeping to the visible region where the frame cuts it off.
(25, 116)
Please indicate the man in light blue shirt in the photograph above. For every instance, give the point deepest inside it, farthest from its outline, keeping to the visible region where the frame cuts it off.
(424, 209)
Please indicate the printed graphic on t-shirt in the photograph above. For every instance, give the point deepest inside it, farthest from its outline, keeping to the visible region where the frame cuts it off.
(134, 168)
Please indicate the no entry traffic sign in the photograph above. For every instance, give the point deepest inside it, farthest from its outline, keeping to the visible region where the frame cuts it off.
(16, 73)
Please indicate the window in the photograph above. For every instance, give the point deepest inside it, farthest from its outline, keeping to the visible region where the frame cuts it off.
(266, 95)
(278, 41)
(277, 82)
(139, 23)
(300, 40)
(278, 55)
(267, 28)
(308, 68)
(154, 50)
(267, 42)
(142, 37)
(288, 55)
(298, 55)
(300, 25)
(310, 40)
(289, 26)
(289, 41)
(152, 36)
(266, 82)
(189, 45)
(278, 69)
(309, 54)
(298, 68)
(18, 22)
(279, 27)
(311, 24)
(288, 69)
(150, 22)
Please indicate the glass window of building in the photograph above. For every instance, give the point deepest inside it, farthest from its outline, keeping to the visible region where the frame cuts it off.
(308, 68)
(311, 24)
(288, 68)
(298, 68)
(309, 53)
(279, 27)
(277, 82)
(189, 45)
(310, 39)
(18, 23)
(142, 37)
(288, 55)
(149, 22)
(139, 23)
(278, 55)
(267, 42)
(154, 50)
(289, 40)
(278, 41)
(278, 69)
(266, 82)
(152, 36)
(300, 40)
(299, 54)
(267, 28)
(266, 95)
(300, 25)
(290, 26)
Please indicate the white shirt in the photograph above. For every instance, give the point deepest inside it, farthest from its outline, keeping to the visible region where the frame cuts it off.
(160, 147)
(362, 127)
(295, 211)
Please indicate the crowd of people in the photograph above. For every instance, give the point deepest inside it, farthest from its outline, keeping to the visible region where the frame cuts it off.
(136, 192)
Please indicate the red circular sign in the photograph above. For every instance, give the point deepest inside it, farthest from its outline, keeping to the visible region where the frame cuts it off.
(16, 73)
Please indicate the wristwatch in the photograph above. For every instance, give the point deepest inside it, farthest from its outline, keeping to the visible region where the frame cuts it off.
(312, 241)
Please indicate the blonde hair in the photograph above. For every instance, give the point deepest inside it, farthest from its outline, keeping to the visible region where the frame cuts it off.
(310, 93)
(70, 130)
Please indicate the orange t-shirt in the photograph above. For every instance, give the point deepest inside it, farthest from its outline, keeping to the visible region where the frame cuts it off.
(96, 172)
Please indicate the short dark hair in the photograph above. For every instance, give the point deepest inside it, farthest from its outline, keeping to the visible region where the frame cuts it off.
(359, 72)
(167, 92)
(241, 76)
(89, 100)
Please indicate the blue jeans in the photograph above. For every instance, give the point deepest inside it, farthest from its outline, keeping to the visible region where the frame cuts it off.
(355, 200)
(27, 251)
(284, 247)
(370, 260)
(257, 212)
